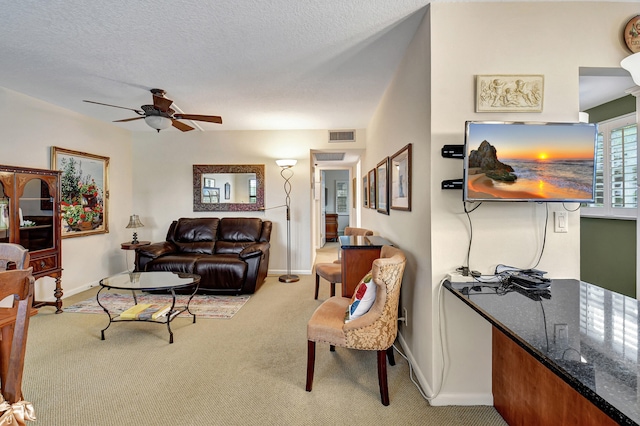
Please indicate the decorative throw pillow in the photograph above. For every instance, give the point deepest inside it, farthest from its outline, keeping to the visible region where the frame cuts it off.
(363, 298)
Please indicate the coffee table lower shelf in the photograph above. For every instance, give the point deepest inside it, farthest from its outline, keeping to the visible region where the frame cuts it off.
(173, 312)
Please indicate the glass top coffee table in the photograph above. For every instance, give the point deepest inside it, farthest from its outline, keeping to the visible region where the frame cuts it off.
(149, 281)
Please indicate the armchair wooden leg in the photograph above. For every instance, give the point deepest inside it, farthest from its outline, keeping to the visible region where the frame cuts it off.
(317, 285)
(390, 356)
(333, 289)
(311, 362)
(382, 377)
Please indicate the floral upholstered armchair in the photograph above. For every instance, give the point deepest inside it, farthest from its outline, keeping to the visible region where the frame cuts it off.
(375, 330)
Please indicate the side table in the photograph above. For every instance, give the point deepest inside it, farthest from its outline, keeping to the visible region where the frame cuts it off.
(132, 246)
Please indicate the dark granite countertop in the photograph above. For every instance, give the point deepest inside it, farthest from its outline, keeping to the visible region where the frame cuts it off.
(586, 335)
(359, 241)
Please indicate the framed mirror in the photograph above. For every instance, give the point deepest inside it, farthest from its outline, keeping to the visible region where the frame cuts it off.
(243, 187)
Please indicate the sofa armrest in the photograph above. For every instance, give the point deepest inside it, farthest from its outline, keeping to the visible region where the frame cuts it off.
(254, 250)
(155, 250)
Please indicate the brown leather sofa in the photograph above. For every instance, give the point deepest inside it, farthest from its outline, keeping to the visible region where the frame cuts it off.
(231, 254)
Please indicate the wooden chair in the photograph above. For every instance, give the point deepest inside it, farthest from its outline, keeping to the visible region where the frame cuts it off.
(332, 272)
(374, 331)
(13, 256)
(14, 323)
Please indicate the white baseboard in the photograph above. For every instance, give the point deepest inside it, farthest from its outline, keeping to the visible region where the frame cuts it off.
(272, 272)
(462, 399)
(443, 398)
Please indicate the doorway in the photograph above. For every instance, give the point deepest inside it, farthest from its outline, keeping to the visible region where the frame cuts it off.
(334, 193)
(337, 198)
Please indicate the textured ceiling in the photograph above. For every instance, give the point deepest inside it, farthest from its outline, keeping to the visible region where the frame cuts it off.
(270, 64)
(260, 64)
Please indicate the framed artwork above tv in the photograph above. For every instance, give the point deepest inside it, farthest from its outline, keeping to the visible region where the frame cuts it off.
(509, 93)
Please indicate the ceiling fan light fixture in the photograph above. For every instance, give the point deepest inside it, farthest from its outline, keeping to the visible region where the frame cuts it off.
(632, 64)
(158, 122)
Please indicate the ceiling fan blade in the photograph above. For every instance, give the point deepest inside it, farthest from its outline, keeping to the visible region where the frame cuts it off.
(137, 111)
(162, 103)
(128, 119)
(209, 118)
(180, 126)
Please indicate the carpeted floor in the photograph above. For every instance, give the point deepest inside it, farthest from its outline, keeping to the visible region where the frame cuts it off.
(249, 370)
(204, 306)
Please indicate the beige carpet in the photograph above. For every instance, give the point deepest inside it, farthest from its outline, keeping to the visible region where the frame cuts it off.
(249, 370)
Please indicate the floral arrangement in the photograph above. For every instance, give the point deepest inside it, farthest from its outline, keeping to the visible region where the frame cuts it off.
(88, 189)
(73, 214)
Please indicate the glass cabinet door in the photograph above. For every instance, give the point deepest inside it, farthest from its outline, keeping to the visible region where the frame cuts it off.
(5, 229)
(36, 216)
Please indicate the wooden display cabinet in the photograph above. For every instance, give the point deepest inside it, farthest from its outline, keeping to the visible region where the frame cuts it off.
(331, 227)
(30, 216)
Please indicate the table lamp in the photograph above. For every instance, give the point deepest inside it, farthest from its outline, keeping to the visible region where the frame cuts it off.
(134, 222)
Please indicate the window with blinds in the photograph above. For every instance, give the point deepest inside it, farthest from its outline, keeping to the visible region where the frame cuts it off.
(616, 169)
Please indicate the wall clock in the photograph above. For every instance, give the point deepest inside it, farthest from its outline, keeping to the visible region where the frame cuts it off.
(631, 34)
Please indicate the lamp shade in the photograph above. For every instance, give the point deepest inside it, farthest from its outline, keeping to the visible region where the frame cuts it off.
(286, 163)
(134, 222)
(632, 64)
(158, 122)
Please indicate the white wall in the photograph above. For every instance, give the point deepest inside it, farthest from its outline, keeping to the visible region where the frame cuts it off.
(434, 86)
(150, 174)
(29, 129)
(163, 175)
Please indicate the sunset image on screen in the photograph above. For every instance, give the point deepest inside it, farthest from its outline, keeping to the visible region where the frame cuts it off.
(516, 161)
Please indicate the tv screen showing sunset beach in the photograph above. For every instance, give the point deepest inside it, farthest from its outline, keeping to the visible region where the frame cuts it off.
(529, 161)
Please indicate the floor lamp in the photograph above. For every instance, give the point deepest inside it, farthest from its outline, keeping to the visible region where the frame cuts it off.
(287, 173)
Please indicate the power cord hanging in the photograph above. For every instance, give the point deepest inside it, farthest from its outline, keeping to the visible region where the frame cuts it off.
(440, 332)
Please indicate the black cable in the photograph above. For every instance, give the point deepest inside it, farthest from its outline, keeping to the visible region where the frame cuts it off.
(544, 320)
(468, 260)
(544, 236)
(574, 210)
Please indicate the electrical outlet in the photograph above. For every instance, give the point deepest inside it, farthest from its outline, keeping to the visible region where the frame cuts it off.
(405, 315)
(561, 334)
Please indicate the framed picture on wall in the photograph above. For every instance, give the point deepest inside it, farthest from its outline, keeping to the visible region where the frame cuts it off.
(365, 191)
(84, 192)
(382, 186)
(354, 190)
(372, 188)
(400, 165)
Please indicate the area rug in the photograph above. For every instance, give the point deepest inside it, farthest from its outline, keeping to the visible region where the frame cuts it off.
(216, 307)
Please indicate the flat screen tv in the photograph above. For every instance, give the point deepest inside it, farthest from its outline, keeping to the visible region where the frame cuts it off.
(520, 161)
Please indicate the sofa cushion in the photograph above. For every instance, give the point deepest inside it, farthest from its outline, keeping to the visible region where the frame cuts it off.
(173, 262)
(235, 234)
(240, 229)
(195, 235)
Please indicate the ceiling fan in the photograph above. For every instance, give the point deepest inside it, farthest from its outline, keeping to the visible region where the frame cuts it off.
(160, 115)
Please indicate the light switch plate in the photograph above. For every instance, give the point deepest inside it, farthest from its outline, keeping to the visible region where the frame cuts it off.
(561, 222)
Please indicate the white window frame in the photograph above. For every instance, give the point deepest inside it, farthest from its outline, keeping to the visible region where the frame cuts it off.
(607, 211)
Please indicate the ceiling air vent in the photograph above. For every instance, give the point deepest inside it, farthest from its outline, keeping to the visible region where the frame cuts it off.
(342, 135)
(329, 156)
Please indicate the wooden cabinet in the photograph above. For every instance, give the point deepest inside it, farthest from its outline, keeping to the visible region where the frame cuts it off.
(358, 254)
(30, 216)
(331, 226)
